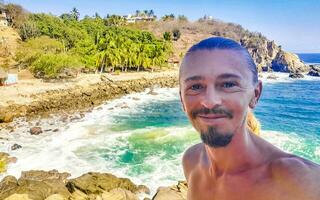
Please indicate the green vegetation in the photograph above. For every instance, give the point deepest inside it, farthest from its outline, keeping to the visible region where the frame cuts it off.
(52, 44)
(3, 166)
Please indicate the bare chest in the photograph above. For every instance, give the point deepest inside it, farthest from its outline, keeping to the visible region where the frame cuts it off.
(238, 188)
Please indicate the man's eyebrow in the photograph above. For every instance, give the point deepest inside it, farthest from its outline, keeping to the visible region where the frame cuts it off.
(193, 78)
(228, 75)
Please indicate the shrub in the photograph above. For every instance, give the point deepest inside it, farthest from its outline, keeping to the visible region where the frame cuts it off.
(50, 65)
(167, 36)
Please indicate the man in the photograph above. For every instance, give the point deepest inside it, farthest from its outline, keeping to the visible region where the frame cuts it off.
(218, 85)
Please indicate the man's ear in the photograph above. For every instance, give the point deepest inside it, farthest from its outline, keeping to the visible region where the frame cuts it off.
(257, 94)
(182, 104)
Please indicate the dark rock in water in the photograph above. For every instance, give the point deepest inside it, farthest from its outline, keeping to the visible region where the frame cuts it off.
(55, 130)
(15, 147)
(288, 62)
(272, 76)
(36, 130)
(296, 75)
(143, 189)
(314, 70)
(176, 192)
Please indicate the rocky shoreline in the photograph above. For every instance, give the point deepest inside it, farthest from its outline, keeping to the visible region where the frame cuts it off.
(82, 98)
(52, 185)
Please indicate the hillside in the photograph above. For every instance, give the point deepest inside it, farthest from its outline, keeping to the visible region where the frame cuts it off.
(9, 39)
(267, 55)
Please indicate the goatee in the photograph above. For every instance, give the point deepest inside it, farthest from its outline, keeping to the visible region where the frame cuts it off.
(215, 139)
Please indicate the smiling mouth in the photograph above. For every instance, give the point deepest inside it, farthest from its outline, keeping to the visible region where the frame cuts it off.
(212, 116)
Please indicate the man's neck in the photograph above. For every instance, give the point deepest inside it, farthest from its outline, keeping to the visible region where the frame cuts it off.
(239, 155)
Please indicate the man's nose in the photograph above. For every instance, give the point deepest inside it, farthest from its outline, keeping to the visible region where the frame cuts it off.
(211, 98)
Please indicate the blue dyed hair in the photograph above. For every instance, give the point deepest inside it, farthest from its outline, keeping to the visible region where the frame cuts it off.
(220, 43)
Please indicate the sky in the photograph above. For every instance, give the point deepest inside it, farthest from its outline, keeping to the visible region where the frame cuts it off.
(293, 24)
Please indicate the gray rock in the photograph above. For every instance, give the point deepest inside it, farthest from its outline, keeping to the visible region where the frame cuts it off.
(15, 147)
(314, 70)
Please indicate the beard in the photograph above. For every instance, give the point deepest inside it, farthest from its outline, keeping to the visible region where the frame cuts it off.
(215, 139)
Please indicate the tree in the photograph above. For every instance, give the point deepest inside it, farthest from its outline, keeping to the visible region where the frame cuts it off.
(138, 13)
(151, 13)
(75, 14)
(182, 18)
(167, 36)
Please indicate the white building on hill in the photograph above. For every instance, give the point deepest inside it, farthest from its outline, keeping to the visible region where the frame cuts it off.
(133, 19)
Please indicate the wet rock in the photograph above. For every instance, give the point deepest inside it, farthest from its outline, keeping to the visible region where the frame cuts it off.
(314, 70)
(176, 192)
(55, 130)
(143, 189)
(35, 130)
(296, 75)
(15, 147)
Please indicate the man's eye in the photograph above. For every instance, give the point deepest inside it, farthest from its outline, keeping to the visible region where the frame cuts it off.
(196, 87)
(228, 84)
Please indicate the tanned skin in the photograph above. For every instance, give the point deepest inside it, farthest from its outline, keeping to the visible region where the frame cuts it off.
(248, 168)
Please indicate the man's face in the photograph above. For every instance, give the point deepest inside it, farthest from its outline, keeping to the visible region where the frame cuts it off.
(216, 90)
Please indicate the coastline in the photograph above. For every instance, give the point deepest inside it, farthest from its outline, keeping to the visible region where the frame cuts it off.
(38, 99)
(117, 85)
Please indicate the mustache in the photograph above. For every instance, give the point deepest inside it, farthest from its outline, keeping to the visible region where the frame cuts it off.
(195, 113)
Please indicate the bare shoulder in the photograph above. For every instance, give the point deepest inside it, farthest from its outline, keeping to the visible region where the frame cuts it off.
(297, 173)
(191, 158)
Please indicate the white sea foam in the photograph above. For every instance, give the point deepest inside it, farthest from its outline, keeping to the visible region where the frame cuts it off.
(80, 146)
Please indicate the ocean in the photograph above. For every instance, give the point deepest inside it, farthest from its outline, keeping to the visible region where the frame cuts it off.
(143, 136)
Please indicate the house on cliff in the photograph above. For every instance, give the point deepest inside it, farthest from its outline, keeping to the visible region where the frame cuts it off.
(4, 19)
(142, 18)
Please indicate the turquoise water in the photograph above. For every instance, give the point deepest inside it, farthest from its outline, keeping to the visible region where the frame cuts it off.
(143, 136)
(156, 133)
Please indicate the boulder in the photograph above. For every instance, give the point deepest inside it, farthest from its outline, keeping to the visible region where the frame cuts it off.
(38, 185)
(97, 183)
(18, 197)
(35, 130)
(176, 192)
(296, 75)
(6, 117)
(119, 194)
(314, 70)
(288, 62)
(40, 175)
